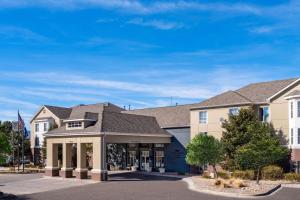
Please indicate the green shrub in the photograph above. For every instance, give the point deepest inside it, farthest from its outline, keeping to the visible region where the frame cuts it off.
(246, 174)
(223, 175)
(292, 177)
(272, 172)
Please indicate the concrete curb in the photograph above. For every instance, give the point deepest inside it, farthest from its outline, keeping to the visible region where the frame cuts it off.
(192, 187)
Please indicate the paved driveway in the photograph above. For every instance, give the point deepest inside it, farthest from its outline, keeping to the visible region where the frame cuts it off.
(138, 187)
(20, 184)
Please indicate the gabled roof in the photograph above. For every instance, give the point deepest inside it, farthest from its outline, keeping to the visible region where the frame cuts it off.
(60, 112)
(256, 93)
(225, 99)
(260, 92)
(167, 117)
(109, 120)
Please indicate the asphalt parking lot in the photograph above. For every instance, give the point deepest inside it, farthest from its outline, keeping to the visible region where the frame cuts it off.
(130, 186)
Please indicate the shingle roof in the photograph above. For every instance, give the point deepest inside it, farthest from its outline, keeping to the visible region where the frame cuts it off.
(256, 93)
(128, 123)
(224, 99)
(109, 119)
(168, 117)
(294, 93)
(60, 112)
(260, 92)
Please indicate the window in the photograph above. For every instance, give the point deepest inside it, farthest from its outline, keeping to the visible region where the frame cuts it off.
(264, 114)
(292, 109)
(159, 159)
(45, 127)
(37, 141)
(298, 108)
(37, 128)
(298, 135)
(74, 124)
(234, 111)
(203, 117)
(159, 145)
(292, 136)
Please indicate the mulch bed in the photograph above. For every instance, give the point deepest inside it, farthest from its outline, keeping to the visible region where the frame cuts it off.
(251, 187)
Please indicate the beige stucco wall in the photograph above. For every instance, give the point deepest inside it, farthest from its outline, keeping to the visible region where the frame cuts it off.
(213, 127)
(278, 116)
(98, 146)
(279, 112)
(136, 139)
(44, 113)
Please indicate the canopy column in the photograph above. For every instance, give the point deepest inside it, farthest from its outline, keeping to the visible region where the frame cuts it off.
(67, 170)
(52, 168)
(99, 171)
(81, 170)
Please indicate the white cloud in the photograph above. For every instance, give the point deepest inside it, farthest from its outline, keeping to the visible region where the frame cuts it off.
(262, 29)
(133, 6)
(158, 24)
(17, 102)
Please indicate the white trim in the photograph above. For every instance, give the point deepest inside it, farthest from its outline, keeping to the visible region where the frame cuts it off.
(40, 110)
(98, 171)
(292, 97)
(293, 83)
(102, 134)
(81, 170)
(51, 168)
(66, 169)
(74, 120)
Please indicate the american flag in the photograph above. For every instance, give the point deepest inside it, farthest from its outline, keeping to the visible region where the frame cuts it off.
(21, 125)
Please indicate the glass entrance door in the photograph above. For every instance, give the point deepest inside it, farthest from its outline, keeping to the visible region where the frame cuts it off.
(132, 159)
(145, 164)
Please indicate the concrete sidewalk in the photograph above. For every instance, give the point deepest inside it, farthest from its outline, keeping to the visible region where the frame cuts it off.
(21, 185)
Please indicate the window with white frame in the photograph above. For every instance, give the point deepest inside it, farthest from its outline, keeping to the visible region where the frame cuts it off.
(37, 127)
(74, 124)
(159, 145)
(264, 114)
(298, 135)
(45, 126)
(292, 109)
(203, 117)
(298, 108)
(292, 136)
(234, 111)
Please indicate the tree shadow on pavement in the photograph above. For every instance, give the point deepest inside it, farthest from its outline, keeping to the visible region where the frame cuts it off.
(139, 177)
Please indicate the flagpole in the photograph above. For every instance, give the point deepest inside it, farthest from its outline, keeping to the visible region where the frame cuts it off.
(18, 142)
(23, 164)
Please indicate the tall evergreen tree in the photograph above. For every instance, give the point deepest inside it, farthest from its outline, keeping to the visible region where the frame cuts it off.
(236, 133)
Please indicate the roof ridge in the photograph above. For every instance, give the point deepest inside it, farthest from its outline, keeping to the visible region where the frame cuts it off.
(173, 106)
(57, 107)
(288, 79)
(243, 96)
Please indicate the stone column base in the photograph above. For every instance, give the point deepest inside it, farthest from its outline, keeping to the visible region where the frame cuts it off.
(51, 171)
(66, 172)
(98, 175)
(81, 173)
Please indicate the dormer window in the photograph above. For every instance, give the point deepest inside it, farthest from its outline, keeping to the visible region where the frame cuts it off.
(74, 124)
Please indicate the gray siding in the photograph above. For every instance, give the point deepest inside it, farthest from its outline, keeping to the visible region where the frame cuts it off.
(176, 150)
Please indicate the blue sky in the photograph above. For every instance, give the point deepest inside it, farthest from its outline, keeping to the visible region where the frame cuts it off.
(140, 53)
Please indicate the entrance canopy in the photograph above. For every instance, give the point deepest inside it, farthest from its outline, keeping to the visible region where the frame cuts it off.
(98, 124)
